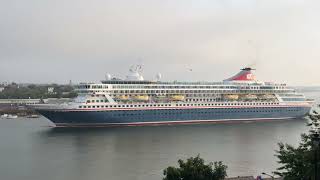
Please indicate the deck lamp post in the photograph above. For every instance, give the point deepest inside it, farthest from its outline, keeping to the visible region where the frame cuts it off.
(272, 177)
(316, 143)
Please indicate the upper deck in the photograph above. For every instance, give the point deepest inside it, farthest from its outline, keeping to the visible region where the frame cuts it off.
(243, 82)
(187, 83)
(242, 87)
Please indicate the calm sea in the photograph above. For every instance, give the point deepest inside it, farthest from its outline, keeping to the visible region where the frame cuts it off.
(31, 150)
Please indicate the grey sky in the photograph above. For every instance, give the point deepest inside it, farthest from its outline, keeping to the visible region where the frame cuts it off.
(81, 40)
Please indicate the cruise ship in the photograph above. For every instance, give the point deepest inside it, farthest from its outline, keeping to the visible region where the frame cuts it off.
(134, 101)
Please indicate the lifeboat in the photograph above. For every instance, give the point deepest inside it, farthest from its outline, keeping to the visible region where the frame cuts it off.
(250, 97)
(177, 98)
(267, 96)
(232, 96)
(161, 97)
(141, 98)
(123, 97)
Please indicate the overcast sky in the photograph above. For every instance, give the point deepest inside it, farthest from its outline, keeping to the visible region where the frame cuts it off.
(60, 40)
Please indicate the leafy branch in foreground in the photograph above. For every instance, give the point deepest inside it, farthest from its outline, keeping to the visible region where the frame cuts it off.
(298, 163)
(195, 169)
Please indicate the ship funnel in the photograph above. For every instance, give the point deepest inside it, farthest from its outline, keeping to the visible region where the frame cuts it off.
(244, 75)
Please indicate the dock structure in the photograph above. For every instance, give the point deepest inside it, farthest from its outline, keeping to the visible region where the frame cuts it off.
(252, 178)
(241, 178)
(19, 106)
(33, 101)
(19, 101)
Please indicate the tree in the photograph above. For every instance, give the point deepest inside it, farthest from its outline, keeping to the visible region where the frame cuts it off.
(195, 169)
(298, 163)
(36, 91)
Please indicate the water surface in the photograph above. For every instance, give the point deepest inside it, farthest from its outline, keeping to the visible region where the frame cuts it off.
(30, 149)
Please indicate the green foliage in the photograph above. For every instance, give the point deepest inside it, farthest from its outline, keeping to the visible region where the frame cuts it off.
(298, 162)
(32, 91)
(195, 169)
(220, 170)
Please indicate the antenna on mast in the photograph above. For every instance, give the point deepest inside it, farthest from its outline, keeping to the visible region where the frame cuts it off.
(255, 58)
(158, 77)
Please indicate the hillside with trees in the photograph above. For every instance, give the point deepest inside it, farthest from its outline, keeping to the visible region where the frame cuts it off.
(32, 91)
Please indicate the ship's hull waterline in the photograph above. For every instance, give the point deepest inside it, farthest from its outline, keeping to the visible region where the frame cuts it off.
(142, 117)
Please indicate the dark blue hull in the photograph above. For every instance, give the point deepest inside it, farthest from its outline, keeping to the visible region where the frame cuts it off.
(74, 118)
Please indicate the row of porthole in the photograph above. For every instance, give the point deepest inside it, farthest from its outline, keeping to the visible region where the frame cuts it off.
(178, 105)
(216, 112)
(191, 92)
(194, 87)
(98, 101)
(229, 110)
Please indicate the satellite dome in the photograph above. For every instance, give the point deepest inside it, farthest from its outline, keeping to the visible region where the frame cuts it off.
(108, 76)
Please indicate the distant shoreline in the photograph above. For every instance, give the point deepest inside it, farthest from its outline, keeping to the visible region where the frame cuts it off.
(19, 112)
